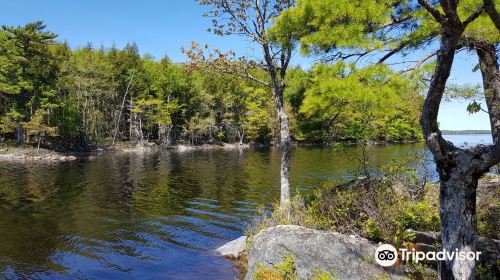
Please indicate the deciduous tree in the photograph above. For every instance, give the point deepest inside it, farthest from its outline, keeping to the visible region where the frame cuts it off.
(397, 27)
(251, 19)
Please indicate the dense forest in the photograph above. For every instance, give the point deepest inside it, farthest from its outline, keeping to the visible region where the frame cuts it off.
(53, 95)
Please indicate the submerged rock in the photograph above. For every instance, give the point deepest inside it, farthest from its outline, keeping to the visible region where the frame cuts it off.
(233, 249)
(345, 257)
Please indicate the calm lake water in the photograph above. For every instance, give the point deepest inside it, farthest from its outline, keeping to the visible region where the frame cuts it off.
(153, 215)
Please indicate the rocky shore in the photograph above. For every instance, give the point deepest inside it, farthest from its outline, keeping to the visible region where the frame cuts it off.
(338, 255)
(45, 155)
(68, 154)
(31, 154)
(305, 252)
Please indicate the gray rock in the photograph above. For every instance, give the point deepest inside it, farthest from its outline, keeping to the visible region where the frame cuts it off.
(233, 249)
(426, 241)
(426, 237)
(346, 257)
(426, 248)
(490, 249)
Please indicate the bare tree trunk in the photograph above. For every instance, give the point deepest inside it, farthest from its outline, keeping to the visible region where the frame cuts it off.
(459, 169)
(39, 141)
(164, 136)
(458, 176)
(241, 135)
(458, 220)
(20, 134)
(168, 142)
(131, 118)
(285, 147)
(117, 128)
(285, 161)
(491, 83)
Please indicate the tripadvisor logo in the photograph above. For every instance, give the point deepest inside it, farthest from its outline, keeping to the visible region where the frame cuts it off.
(387, 255)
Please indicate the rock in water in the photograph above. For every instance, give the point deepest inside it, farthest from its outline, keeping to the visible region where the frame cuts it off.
(234, 248)
(342, 256)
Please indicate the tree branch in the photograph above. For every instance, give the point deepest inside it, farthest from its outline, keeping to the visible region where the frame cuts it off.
(474, 16)
(491, 10)
(435, 13)
(420, 62)
(393, 52)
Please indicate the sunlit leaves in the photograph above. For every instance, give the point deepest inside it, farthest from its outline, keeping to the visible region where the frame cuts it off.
(473, 107)
(323, 25)
(371, 102)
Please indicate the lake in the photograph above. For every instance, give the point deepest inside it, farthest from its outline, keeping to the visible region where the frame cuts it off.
(153, 215)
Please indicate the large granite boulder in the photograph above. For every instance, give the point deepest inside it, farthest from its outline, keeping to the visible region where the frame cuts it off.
(348, 257)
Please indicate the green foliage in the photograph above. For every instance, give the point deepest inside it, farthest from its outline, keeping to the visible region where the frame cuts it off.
(377, 209)
(419, 215)
(8, 122)
(487, 271)
(323, 275)
(322, 25)
(28, 67)
(39, 127)
(371, 228)
(481, 29)
(473, 107)
(488, 207)
(345, 102)
(94, 96)
(286, 271)
(356, 27)
(281, 271)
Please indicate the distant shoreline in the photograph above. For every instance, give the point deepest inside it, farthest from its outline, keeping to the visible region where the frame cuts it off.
(465, 132)
(51, 154)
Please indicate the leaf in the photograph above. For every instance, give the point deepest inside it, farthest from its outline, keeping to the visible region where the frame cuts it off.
(473, 107)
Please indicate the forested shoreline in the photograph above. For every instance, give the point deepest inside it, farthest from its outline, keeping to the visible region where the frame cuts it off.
(55, 96)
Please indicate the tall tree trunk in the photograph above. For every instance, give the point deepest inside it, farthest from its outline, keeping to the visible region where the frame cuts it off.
(164, 135)
(131, 118)
(458, 219)
(20, 134)
(285, 147)
(457, 168)
(241, 135)
(117, 127)
(488, 65)
(39, 141)
(460, 169)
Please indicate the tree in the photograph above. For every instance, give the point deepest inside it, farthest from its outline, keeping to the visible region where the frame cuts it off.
(35, 75)
(39, 128)
(370, 103)
(456, 25)
(324, 26)
(251, 19)
(168, 83)
(459, 169)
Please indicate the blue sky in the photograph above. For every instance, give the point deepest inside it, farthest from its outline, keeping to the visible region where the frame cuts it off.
(162, 27)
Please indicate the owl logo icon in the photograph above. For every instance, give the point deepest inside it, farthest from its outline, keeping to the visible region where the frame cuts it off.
(386, 255)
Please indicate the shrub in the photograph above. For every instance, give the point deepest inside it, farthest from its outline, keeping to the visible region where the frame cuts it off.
(280, 271)
(286, 271)
(370, 208)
